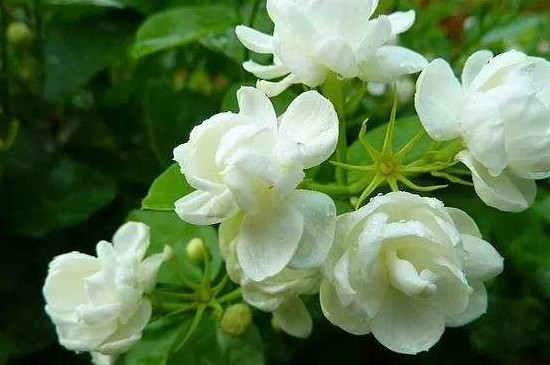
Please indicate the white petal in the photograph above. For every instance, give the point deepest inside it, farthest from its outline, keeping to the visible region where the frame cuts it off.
(439, 100)
(528, 137)
(149, 268)
(203, 208)
(273, 89)
(407, 325)
(256, 105)
(313, 122)
(319, 212)
(128, 333)
(131, 242)
(544, 96)
(463, 222)
(483, 131)
(491, 74)
(197, 157)
(377, 33)
(337, 55)
(482, 261)
(259, 181)
(476, 308)
(255, 41)
(347, 318)
(505, 192)
(402, 21)
(258, 298)
(473, 67)
(266, 72)
(64, 287)
(391, 62)
(294, 318)
(267, 242)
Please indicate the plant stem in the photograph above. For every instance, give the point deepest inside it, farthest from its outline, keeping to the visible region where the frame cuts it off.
(235, 294)
(332, 89)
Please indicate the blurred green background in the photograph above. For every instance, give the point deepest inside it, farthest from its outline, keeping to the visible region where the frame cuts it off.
(91, 110)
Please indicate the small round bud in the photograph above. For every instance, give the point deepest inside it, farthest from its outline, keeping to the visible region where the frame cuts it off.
(19, 34)
(236, 319)
(196, 250)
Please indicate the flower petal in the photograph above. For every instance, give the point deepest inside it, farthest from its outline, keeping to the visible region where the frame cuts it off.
(377, 33)
(482, 261)
(347, 318)
(483, 131)
(131, 242)
(204, 208)
(313, 123)
(337, 55)
(407, 325)
(401, 21)
(129, 333)
(256, 105)
(505, 192)
(149, 268)
(266, 72)
(391, 62)
(273, 89)
(64, 289)
(439, 100)
(473, 67)
(268, 241)
(255, 41)
(294, 318)
(319, 212)
(476, 308)
(463, 222)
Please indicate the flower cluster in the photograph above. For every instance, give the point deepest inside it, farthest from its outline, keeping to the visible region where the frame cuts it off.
(97, 303)
(502, 113)
(403, 267)
(315, 37)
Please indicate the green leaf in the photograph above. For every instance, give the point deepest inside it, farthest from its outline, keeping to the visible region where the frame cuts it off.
(65, 195)
(76, 52)
(242, 350)
(166, 190)
(181, 26)
(168, 229)
(107, 3)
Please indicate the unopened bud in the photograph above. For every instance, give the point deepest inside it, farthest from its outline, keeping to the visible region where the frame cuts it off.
(196, 250)
(19, 34)
(236, 319)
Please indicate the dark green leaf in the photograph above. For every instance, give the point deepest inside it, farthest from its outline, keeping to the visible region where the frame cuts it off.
(177, 27)
(242, 350)
(166, 189)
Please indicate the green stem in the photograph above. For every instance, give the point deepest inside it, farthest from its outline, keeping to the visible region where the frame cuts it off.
(332, 89)
(192, 328)
(338, 190)
(235, 294)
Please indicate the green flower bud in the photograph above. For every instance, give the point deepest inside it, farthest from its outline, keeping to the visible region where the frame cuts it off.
(236, 319)
(19, 34)
(196, 250)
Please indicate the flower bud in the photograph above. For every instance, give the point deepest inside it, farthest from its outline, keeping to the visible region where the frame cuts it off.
(236, 319)
(19, 34)
(195, 250)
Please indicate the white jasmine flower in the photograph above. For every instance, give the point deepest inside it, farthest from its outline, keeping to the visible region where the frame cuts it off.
(96, 303)
(279, 294)
(502, 113)
(251, 163)
(403, 267)
(315, 37)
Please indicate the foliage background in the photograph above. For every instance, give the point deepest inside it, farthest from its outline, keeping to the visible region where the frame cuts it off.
(100, 110)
